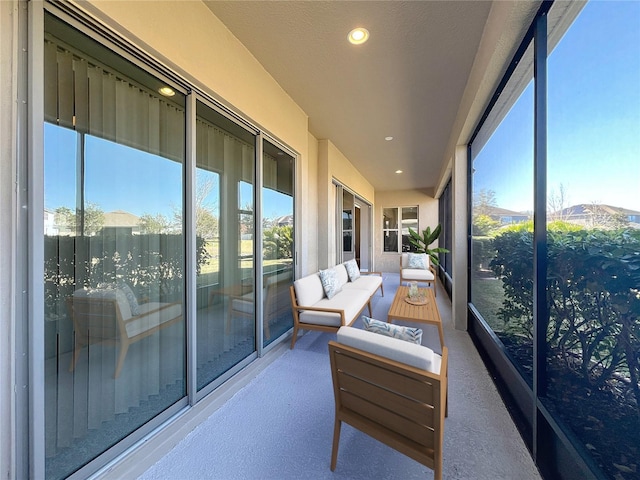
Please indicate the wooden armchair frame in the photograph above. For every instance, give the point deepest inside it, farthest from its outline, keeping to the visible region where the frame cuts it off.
(399, 405)
(428, 282)
(99, 320)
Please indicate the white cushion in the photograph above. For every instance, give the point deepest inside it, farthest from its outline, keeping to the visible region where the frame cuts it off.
(341, 274)
(351, 301)
(370, 283)
(417, 274)
(308, 290)
(417, 356)
(151, 315)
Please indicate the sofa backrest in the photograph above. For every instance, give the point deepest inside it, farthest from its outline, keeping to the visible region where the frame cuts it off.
(309, 290)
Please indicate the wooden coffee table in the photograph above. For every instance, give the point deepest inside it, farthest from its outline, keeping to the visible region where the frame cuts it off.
(428, 313)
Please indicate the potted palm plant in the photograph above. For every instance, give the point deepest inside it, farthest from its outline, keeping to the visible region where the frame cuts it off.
(422, 242)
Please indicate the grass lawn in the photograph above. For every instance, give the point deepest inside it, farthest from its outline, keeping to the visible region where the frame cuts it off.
(487, 295)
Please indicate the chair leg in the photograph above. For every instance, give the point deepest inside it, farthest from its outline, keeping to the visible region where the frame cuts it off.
(369, 305)
(336, 441)
(124, 346)
(295, 335)
(76, 353)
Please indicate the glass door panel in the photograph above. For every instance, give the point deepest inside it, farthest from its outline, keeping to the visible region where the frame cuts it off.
(277, 241)
(225, 159)
(114, 250)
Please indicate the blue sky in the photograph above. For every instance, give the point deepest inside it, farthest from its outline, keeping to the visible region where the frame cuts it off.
(593, 118)
(593, 136)
(122, 178)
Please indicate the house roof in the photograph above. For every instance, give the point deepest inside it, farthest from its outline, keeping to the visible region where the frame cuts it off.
(120, 218)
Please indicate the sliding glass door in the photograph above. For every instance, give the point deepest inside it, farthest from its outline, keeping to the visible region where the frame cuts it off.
(225, 158)
(114, 249)
(278, 247)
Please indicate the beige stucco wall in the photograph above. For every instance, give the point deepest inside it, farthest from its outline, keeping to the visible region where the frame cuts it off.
(427, 217)
(333, 165)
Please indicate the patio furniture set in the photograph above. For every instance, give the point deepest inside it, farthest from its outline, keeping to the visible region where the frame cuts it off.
(386, 384)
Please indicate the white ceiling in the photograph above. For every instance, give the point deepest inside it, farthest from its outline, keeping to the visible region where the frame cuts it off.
(407, 81)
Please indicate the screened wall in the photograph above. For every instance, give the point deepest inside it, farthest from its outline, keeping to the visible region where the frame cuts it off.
(554, 254)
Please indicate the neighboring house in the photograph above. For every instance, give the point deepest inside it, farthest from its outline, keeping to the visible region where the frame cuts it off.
(50, 223)
(592, 215)
(121, 222)
(506, 217)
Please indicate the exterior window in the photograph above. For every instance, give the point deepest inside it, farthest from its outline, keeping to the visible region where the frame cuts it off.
(593, 174)
(396, 222)
(503, 190)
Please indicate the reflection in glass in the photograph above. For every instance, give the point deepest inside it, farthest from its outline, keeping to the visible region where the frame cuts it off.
(390, 229)
(502, 227)
(593, 337)
(278, 241)
(225, 155)
(113, 249)
(409, 220)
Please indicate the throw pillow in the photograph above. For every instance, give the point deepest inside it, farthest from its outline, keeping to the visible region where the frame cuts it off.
(419, 261)
(330, 282)
(352, 269)
(408, 334)
(131, 298)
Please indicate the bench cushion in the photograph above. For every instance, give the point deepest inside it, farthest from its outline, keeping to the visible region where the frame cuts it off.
(417, 356)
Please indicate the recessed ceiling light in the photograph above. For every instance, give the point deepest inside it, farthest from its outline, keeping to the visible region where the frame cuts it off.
(398, 171)
(167, 91)
(358, 35)
(388, 139)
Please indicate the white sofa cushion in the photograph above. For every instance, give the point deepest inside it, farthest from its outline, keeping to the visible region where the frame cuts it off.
(370, 283)
(417, 356)
(351, 301)
(309, 290)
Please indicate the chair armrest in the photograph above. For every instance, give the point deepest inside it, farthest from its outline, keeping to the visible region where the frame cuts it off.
(371, 273)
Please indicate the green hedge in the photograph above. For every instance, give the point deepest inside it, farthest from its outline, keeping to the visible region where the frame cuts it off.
(593, 300)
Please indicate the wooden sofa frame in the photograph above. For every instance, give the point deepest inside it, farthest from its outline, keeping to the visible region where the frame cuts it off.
(99, 320)
(401, 406)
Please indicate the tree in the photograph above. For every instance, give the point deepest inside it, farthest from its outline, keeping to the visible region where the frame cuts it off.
(87, 221)
(484, 201)
(154, 223)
